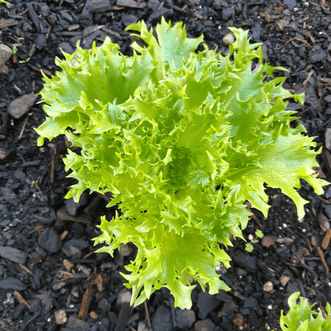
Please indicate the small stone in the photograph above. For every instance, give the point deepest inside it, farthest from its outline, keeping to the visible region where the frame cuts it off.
(328, 139)
(284, 279)
(228, 39)
(21, 106)
(323, 222)
(268, 287)
(206, 325)
(123, 297)
(268, 241)
(60, 317)
(5, 53)
(125, 250)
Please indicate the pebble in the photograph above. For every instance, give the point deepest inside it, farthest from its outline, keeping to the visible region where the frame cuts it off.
(125, 250)
(328, 139)
(60, 317)
(123, 297)
(228, 39)
(206, 325)
(50, 240)
(284, 279)
(323, 222)
(21, 106)
(268, 287)
(184, 318)
(5, 53)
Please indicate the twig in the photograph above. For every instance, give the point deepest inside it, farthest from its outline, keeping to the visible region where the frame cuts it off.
(320, 253)
(307, 79)
(23, 127)
(149, 325)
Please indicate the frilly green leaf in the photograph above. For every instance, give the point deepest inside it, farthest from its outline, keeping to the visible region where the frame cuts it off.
(182, 139)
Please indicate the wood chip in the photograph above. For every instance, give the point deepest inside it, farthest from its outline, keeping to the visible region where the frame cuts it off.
(131, 3)
(112, 33)
(284, 240)
(307, 79)
(320, 253)
(7, 23)
(64, 234)
(63, 215)
(87, 298)
(44, 71)
(21, 299)
(98, 281)
(326, 240)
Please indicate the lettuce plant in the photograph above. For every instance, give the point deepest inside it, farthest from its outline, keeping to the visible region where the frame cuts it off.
(182, 139)
(301, 317)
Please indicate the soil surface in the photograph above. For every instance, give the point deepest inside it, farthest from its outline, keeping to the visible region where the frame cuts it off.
(50, 277)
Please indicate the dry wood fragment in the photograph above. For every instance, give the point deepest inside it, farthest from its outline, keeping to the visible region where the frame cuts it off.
(112, 33)
(284, 240)
(74, 27)
(27, 270)
(46, 72)
(325, 81)
(307, 79)
(98, 281)
(23, 127)
(309, 245)
(149, 325)
(7, 23)
(320, 253)
(64, 234)
(87, 298)
(20, 299)
(63, 215)
(326, 239)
